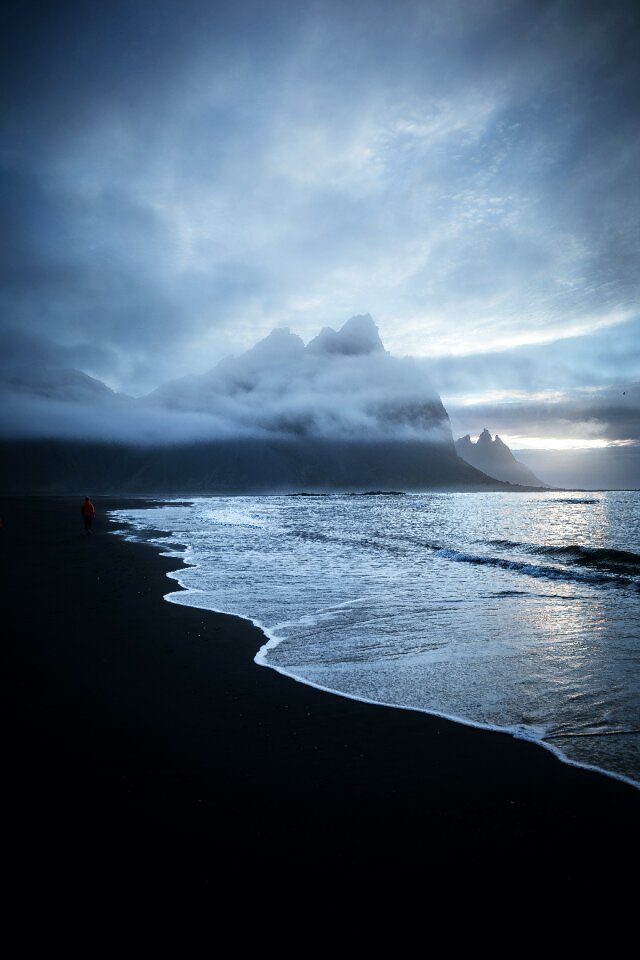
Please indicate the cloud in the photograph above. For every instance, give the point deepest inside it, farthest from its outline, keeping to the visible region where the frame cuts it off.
(343, 384)
(181, 178)
(607, 415)
(578, 387)
(606, 356)
(23, 349)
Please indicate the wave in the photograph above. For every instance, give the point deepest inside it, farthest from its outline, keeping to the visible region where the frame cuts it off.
(572, 500)
(533, 570)
(604, 558)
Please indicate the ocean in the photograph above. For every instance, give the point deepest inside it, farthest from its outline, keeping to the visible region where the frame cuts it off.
(510, 611)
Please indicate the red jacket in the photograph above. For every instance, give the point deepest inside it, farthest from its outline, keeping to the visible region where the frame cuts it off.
(87, 509)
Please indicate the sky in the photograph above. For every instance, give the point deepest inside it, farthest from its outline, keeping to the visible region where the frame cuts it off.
(177, 179)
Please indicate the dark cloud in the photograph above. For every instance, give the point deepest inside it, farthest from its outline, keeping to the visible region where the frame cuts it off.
(23, 350)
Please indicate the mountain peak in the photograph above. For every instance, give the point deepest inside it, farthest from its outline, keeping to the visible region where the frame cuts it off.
(279, 342)
(495, 459)
(358, 336)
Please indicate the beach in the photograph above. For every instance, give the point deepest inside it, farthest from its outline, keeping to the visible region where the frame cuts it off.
(148, 749)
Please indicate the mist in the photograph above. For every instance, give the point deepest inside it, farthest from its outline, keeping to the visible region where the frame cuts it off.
(342, 385)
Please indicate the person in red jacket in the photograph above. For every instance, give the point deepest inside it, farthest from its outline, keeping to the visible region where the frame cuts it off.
(88, 512)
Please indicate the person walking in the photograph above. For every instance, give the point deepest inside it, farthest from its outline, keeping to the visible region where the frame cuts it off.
(88, 512)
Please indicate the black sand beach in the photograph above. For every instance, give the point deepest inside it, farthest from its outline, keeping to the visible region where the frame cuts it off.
(147, 749)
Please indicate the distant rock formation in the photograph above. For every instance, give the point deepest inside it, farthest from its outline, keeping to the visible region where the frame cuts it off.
(359, 335)
(495, 459)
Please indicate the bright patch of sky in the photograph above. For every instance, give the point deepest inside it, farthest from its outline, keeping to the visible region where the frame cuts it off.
(560, 443)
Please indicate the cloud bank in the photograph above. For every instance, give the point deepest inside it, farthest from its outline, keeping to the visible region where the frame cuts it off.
(342, 385)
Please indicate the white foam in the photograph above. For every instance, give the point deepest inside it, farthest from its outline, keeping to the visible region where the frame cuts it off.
(519, 732)
(531, 734)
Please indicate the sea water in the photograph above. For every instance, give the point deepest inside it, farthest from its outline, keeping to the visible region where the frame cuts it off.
(513, 611)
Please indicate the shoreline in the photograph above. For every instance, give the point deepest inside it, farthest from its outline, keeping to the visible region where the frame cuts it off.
(149, 748)
(178, 552)
(269, 640)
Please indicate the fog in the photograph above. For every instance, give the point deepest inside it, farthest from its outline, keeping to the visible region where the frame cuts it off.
(343, 384)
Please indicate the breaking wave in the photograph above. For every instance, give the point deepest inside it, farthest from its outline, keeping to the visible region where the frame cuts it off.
(536, 570)
(603, 558)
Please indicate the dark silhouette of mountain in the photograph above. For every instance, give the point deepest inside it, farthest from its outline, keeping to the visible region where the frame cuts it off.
(230, 466)
(495, 459)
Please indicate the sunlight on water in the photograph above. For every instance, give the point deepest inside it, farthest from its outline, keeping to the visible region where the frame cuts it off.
(516, 611)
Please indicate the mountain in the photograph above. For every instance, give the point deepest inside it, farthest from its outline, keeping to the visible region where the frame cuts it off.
(495, 459)
(231, 466)
(343, 385)
(339, 413)
(359, 335)
(54, 383)
(343, 388)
